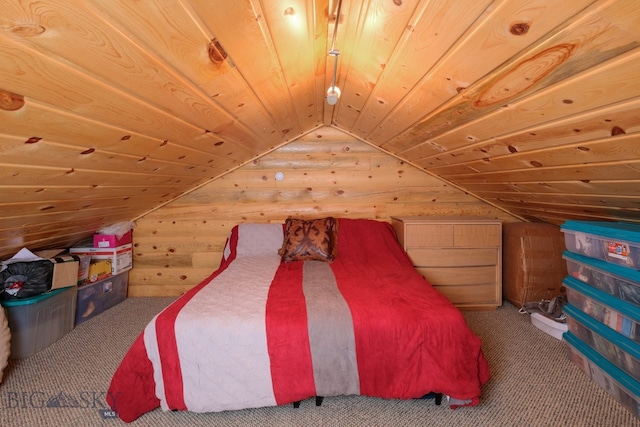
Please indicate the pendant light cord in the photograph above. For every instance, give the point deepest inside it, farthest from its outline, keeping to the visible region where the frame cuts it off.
(333, 52)
(335, 28)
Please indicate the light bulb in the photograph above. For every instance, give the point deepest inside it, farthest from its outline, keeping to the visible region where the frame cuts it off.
(333, 94)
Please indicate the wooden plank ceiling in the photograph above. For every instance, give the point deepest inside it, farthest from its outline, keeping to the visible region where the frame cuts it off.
(109, 109)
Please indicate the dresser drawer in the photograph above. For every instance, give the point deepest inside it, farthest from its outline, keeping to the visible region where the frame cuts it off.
(453, 257)
(428, 235)
(472, 295)
(448, 276)
(477, 235)
(452, 235)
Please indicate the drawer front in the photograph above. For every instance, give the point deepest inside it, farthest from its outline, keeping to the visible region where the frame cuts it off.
(453, 276)
(477, 235)
(431, 257)
(428, 235)
(477, 294)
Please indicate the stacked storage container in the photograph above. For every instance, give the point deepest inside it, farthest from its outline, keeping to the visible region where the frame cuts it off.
(111, 258)
(603, 314)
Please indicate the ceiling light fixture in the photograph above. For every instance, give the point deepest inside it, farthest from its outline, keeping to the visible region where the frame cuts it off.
(333, 93)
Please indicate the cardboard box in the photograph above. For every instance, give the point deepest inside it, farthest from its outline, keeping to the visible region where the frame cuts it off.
(532, 263)
(57, 255)
(65, 268)
(121, 257)
(98, 270)
(110, 240)
(83, 268)
(65, 271)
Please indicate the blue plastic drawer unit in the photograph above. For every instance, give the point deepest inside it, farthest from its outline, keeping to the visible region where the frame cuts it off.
(621, 282)
(613, 380)
(618, 315)
(616, 348)
(613, 242)
(38, 321)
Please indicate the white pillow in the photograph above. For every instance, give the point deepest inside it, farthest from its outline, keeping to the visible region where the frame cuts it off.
(257, 240)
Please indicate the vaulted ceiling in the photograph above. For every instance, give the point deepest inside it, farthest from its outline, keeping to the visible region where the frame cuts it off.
(109, 109)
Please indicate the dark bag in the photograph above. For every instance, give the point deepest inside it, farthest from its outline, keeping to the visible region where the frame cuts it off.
(26, 279)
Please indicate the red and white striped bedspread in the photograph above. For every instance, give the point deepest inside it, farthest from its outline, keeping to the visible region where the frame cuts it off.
(259, 332)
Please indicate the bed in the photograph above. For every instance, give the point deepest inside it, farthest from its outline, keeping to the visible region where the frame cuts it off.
(274, 325)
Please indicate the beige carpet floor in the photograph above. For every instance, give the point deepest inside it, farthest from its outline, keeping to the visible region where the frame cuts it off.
(533, 384)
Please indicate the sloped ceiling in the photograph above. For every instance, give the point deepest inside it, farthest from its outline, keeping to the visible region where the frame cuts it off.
(109, 109)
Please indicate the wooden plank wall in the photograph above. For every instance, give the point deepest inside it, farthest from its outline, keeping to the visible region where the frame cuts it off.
(327, 172)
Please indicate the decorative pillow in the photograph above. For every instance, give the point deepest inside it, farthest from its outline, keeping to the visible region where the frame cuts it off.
(314, 239)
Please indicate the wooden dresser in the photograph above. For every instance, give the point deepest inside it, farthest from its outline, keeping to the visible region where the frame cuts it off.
(459, 256)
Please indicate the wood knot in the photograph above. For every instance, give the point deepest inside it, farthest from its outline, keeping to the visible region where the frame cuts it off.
(10, 101)
(520, 28)
(217, 54)
(617, 130)
(27, 30)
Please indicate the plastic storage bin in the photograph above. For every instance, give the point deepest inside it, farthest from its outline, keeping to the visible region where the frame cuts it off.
(39, 321)
(548, 326)
(618, 315)
(621, 282)
(613, 242)
(95, 298)
(617, 349)
(614, 381)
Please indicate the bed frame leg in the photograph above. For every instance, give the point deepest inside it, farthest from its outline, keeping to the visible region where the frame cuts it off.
(438, 398)
(318, 402)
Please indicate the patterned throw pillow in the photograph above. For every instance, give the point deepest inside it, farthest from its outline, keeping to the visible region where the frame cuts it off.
(314, 239)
